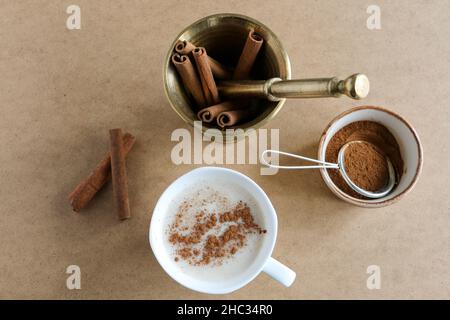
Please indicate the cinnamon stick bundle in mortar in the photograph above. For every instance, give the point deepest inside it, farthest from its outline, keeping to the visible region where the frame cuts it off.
(184, 47)
(248, 56)
(87, 189)
(210, 113)
(231, 117)
(206, 77)
(227, 113)
(219, 70)
(189, 77)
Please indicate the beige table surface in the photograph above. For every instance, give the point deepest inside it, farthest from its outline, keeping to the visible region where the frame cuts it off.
(61, 90)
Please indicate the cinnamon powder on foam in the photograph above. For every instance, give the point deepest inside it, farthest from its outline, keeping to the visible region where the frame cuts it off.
(211, 237)
(365, 163)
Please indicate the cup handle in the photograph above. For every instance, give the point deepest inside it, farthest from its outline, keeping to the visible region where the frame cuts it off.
(279, 272)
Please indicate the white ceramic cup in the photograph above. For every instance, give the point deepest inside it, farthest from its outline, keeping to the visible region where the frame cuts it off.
(407, 139)
(263, 260)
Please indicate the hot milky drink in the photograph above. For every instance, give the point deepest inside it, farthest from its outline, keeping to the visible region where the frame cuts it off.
(214, 232)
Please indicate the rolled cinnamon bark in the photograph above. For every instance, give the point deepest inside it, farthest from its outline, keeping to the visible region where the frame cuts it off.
(219, 70)
(189, 77)
(248, 56)
(87, 189)
(206, 77)
(210, 113)
(184, 47)
(119, 174)
(232, 117)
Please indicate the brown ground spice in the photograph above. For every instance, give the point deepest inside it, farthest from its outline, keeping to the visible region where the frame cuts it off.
(365, 163)
(366, 166)
(213, 237)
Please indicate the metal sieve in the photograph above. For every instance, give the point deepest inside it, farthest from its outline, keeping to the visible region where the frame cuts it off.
(339, 166)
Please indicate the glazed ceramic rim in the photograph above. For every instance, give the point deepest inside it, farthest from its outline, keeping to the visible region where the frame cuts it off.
(362, 202)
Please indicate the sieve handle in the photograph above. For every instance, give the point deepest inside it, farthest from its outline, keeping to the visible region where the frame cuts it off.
(356, 87)
(322, 164)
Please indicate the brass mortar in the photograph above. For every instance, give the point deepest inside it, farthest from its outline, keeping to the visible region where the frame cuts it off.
(223, 35)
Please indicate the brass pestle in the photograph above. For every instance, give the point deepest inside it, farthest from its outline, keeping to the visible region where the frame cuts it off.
(275, 89)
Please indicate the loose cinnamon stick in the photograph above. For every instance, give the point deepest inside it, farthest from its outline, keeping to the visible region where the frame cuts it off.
(219, 70)
(189, 77)
(230, 118)
(87, 189)
(206, 77)
(210, 113)
(248, 56)
(119, 174)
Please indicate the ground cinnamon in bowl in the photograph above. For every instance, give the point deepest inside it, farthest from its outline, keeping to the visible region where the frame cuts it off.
(366, 166)
(365, 163)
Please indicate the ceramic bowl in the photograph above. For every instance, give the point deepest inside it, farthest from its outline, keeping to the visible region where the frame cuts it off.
(407, 138)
